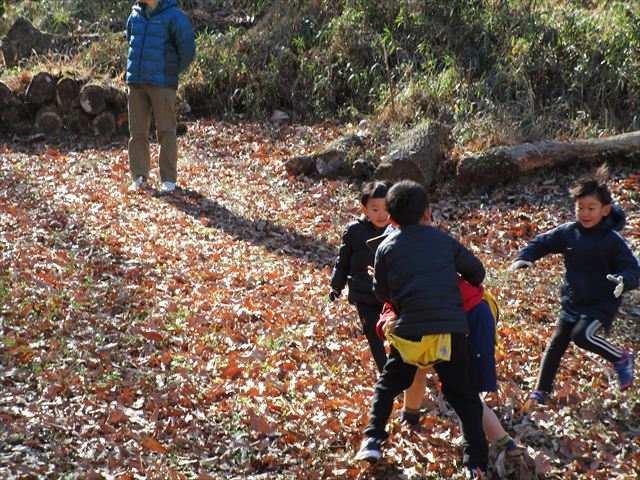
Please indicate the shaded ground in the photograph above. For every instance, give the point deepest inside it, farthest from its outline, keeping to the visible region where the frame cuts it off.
(189, 336)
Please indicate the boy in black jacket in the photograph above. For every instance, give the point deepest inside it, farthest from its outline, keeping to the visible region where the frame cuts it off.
(423, 289)
(355, 258)
(595, 255)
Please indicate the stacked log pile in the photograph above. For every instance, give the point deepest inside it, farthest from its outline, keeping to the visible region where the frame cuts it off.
(53, 104)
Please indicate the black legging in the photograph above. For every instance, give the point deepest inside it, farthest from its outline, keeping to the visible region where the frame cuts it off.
(583, 334)
(369, 315)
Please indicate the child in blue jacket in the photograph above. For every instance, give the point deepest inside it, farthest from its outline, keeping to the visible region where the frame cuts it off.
(595, 255)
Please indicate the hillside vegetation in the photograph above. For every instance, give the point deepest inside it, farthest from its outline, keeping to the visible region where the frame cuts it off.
(496, 71)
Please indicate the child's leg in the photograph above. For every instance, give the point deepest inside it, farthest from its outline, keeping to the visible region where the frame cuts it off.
(396, 377)
(369, 315)
(413, 397)
(460, 389)
(491, 425)
(553, 354)
(584, 336)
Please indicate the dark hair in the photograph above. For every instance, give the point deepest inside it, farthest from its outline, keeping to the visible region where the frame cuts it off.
(374, 190)
(594, 184)
(406, 202)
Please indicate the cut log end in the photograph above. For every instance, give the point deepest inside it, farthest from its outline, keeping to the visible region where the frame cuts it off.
(104, 124)
(48, 122)
(92, 99)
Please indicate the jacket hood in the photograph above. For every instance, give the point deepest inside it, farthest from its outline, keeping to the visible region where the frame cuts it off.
(162, 5)
(615, 220)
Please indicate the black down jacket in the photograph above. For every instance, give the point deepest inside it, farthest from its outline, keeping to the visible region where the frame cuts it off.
(417, 271)
(353, 259)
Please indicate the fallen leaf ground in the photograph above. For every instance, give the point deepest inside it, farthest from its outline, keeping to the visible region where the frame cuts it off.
(189, 336)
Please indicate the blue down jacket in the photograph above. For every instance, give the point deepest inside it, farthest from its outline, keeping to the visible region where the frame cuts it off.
(590, 254)
(161, 46)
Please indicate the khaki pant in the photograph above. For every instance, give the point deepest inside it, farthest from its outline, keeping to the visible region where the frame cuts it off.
(142, 100)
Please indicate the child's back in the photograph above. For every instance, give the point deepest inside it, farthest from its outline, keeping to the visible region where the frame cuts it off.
(416, 270)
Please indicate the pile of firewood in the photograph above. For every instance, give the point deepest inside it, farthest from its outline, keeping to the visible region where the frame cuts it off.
(51, 105)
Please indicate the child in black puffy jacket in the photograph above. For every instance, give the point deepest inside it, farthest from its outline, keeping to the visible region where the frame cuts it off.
(355, 258)
(595, 255)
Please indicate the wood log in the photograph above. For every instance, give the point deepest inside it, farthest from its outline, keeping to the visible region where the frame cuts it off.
(6, 94)
(48, 121)
(492, 167)
(416, 155)
(66, 93)
(17, 116)
(77, 122)
(41, 89)
(104, 124)
(92, 99)
(116, 99)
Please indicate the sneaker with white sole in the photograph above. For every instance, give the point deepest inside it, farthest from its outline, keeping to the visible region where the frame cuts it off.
(370, 449)
(167, 187)
(137, 184)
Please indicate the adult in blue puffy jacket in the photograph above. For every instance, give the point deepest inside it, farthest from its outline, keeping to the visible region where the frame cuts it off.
(161, 46)
(599, 267)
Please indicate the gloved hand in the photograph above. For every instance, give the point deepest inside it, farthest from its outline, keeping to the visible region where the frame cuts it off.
(334, 295)
(620, 284)
(519, 264)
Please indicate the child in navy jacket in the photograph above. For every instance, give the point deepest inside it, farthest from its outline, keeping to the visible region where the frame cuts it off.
(354, 258)
(595, 255)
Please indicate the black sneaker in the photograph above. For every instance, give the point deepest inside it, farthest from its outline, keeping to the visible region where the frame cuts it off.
(370, 449)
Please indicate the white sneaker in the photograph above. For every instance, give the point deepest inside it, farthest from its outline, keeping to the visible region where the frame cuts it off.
(137, 184)
(167, 187)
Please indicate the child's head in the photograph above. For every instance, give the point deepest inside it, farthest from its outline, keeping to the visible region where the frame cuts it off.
(408, 203)
(373, 206)
(592, 197)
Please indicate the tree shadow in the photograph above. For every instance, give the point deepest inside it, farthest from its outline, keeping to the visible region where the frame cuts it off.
(275, 238)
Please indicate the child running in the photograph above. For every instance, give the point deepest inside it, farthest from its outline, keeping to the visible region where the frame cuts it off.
(354, 258)
(595, 255)
(482, 313)
(403, 273)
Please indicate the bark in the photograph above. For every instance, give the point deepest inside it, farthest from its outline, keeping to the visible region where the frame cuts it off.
(41, 89)
(416, 155)
(78, 122)
(492, 167)
(66, 93)
(104, 124)
(92, 99)
(17, 116)
(48, 121)
(6, 94)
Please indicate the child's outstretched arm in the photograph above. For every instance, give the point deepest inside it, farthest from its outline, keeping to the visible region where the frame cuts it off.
(543, 244)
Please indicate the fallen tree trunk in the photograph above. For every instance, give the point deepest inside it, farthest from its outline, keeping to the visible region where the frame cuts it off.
(489, 168)
(78, 122)
(48, 121)
(41, 89)
(104, 124)
(17, 116)
(66, 93)
(416, 155)
(93, 99)
(5, 95)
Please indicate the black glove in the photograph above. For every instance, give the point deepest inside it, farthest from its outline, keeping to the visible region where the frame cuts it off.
(333, 295)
